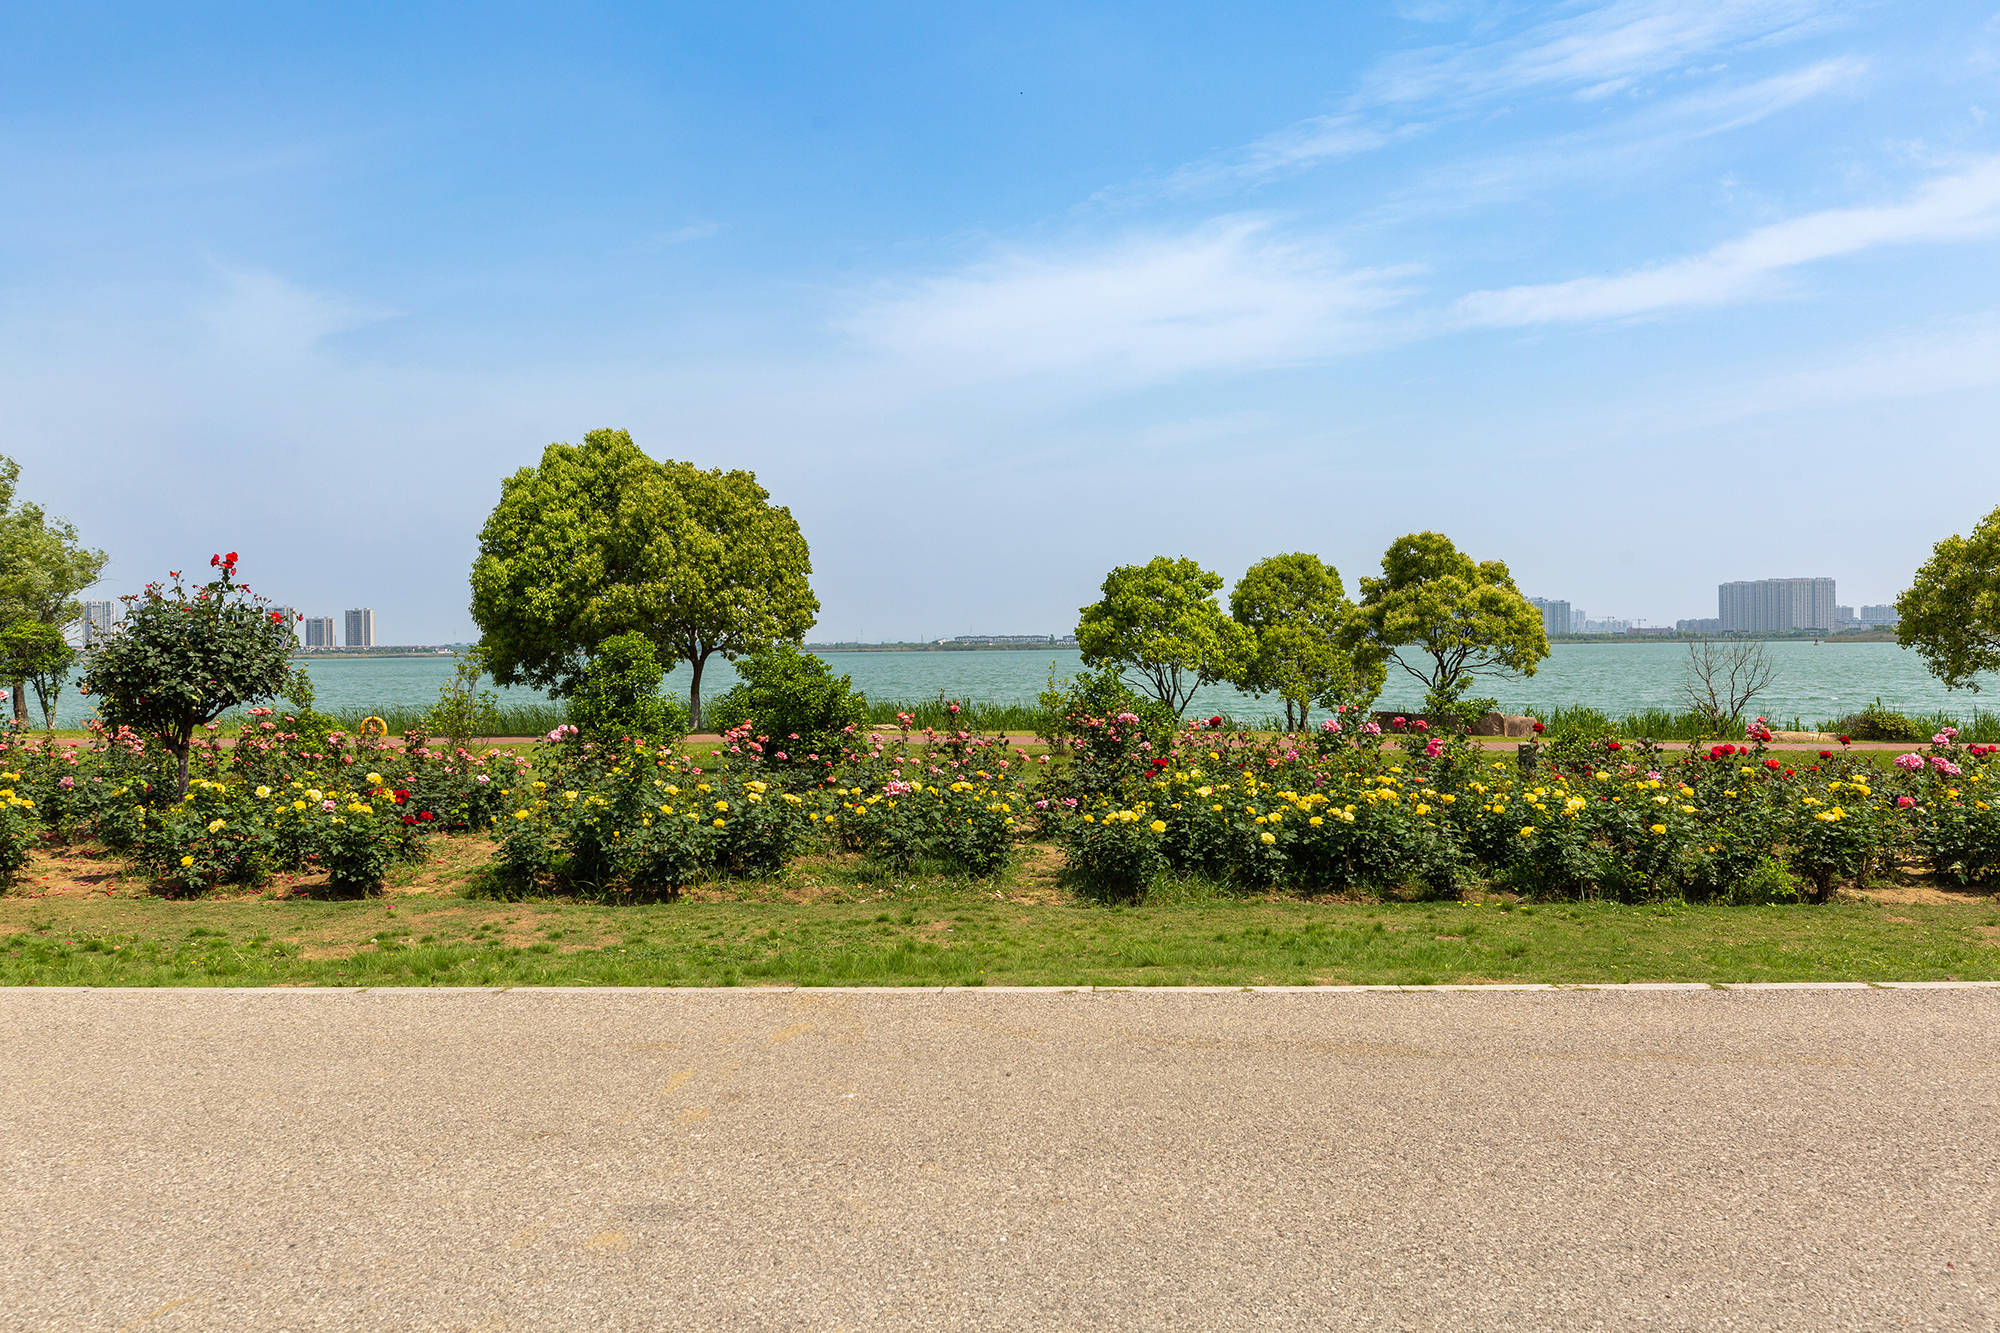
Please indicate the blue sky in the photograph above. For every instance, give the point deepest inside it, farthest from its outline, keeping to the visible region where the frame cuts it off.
(1637, 296)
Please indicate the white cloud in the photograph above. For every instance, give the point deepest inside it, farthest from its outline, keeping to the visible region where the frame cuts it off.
(1961, 206)
(1231, 295)
(1298, 147)
(1597, 49)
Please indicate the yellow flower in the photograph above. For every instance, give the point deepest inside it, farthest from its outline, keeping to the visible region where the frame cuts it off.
(263, 792)
(374, 779)
(1158, 826)
(718, 823)
(1659, 828)
(1315, 821)
(1448, 798)
(187, 860)
(722, 805)
(1267, 838)
(520, 814)
(215, 826)
(1528, 831)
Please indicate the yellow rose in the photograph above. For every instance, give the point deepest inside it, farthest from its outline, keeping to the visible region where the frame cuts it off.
(374, 779)
(187, 860)
(1267, 838)
(1158, 826)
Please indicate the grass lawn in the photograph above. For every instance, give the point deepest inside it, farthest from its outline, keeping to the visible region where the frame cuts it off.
(832, 921)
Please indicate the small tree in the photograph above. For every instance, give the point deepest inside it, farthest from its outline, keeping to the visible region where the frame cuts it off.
(1297, 616)
(1159, 622)
(38, 654)
(1721, 680)
(1457, 620)
(182, 659)
(1950, 613)
(43, 566)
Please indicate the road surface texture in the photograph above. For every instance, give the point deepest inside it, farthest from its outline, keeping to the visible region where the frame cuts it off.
(605, 1160)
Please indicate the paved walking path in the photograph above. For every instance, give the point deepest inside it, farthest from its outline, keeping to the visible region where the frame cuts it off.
(1796, 1159)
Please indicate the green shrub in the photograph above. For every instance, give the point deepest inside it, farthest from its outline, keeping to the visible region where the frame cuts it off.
(620, 694)
(1112, 854)
(794, 706)
(1876, 723)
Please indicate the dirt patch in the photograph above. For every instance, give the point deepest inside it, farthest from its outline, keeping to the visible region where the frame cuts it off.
(449, 863)
(81, 871)
(1928, 895)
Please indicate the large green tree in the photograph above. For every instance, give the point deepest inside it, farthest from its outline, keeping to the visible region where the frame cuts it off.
(1951, 612)
(601, 540)
(1447, 619)
(1159, 623)
(43, 566)
(38, 654)
(1296, 613)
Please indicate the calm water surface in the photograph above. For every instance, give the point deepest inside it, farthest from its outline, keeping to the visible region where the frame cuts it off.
(1815, 681)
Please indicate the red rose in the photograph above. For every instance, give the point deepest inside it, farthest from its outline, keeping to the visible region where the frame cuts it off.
(1847, 740)
(407, 819)
(1772, 764)
(214, 560)
(229, 559)
(1613, 745)
(1826, 754)
(1538, 727)
(425, 816)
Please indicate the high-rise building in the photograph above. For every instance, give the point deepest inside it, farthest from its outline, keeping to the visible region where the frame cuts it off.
(361, 628)
(1774, 606)
(319, 632)
(1879, 615)
(1556, 618)
(98, 618)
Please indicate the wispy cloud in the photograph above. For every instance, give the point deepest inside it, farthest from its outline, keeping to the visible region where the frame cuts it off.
(1594, 51)
(1232, 295)
(1302, 146)
(1960, 206)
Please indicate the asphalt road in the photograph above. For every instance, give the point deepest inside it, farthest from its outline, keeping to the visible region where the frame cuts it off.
(1776, 1159)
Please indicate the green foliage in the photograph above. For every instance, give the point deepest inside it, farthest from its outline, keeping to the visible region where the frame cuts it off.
(794, 705)
(181, 661)
(463, 710)
(43, 566)
(1160, 622)
(1301, 642)
(601, 540)
(37, 653)
(1950, 613)
(619, 696)
(1113, 855)
(1458, 620)
(1109, 731)
(1877, 723)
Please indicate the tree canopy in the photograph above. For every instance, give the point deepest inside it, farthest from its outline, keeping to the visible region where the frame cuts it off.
(1300, 642)
(1950, 613)
(600, 540)
(43, 566)
(38, 654)
(1160, 623)
(1447, 619)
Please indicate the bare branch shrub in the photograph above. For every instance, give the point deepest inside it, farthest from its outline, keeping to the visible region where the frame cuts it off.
(1722, 679)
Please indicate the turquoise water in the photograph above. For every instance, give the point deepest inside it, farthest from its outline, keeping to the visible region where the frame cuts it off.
(1815, 681)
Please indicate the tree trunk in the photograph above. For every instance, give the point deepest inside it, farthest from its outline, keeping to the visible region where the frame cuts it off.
(694, 691)
(21, 701)
(184, 772)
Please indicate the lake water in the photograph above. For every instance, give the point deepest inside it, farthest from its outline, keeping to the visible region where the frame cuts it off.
(1815, 681)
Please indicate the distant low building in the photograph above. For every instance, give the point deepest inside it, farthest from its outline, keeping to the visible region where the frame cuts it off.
(1700, 625)
(1880, 615)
